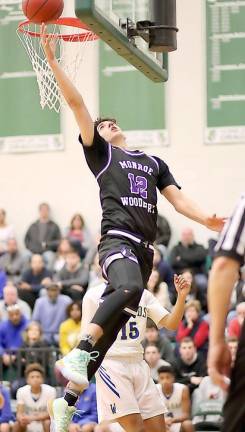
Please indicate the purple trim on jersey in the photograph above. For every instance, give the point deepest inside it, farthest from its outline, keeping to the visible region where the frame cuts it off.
(133, 153)
(154, 160)
(107, 165)
(132, 237)
(110, 259)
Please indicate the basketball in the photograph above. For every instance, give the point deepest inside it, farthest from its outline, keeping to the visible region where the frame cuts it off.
(39, 11)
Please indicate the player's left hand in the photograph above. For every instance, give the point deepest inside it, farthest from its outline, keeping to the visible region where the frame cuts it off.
(182, 285)
(215, 223)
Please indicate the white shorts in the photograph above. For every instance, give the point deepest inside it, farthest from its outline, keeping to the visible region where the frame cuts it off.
(125, 387)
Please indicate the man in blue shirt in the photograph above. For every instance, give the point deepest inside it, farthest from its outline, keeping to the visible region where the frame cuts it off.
(6, 415)
(50, 312)
(87, 411)
(11, 333)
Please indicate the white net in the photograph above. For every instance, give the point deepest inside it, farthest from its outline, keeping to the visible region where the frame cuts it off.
(69, 52)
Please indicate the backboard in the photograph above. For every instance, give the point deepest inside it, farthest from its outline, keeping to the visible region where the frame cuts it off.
(24, 126)
(108, 19)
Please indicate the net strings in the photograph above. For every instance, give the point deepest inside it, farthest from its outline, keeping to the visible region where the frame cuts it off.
(69, 55)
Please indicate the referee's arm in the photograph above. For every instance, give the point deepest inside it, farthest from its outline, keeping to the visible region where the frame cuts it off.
(223, 276)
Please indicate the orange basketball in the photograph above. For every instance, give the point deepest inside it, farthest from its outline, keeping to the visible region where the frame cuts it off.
(39, 11)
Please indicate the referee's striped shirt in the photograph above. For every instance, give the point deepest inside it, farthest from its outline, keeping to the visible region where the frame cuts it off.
(232, 238)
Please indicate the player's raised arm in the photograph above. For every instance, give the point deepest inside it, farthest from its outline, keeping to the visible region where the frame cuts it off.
(190, 209)
(172, 320)
(68, 90)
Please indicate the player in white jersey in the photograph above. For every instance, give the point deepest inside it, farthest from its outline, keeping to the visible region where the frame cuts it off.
(32, 415)
(177, 400)
(125, 391)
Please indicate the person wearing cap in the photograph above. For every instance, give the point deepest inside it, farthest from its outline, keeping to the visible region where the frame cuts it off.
(50, 312)
(11, 333)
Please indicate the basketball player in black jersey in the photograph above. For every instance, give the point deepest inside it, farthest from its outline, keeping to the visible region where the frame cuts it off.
(128, 182)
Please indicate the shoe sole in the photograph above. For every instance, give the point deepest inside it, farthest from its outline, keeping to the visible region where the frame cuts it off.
(70, 375)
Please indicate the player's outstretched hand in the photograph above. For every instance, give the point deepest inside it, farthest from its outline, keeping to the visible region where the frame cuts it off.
(48, 43)
(182, 285)
(219, 364)
(215, 223)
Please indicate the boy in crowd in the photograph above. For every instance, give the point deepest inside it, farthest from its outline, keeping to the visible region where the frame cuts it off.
(177, 400)
(32, 414)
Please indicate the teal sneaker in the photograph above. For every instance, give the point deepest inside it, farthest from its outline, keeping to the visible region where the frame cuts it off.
(74, 366)
(60, 414)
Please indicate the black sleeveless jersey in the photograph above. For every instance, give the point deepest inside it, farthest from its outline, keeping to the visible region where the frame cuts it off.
(128, 182)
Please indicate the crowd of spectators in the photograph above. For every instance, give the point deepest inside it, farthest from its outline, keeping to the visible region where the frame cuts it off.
(41, 291)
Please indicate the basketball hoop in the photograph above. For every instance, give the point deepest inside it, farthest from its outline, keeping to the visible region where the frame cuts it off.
(72, 39)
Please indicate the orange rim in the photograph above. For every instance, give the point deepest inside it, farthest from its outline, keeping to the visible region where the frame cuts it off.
(87, 35)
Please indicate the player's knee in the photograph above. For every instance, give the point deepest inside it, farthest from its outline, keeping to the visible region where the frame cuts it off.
(132, 289)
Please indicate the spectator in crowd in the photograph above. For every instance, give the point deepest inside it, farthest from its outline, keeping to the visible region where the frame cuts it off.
(232, 343)
(207, 390)
(13, 261)
(6, 415)
(11, 334)
(34, 280)
(33, 350)
(235, 325)
(59, 258)
(6, 231)
(87, 421)
(166, 273)
(43, 236)
(207, 405)
(10, 298)
(152, 335)
(79, 235)
(163, 231)
(240, 286)
(210, 253)
(159, 289)
(189, 254)
(32, 414)
(153, 358)
(70, 329)
(195, 326)
(3, 281)
(194, 294)
(95, 273)
(190, 366)
(34, 347)
(50, 312)
(176, 397)
(73, 278)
